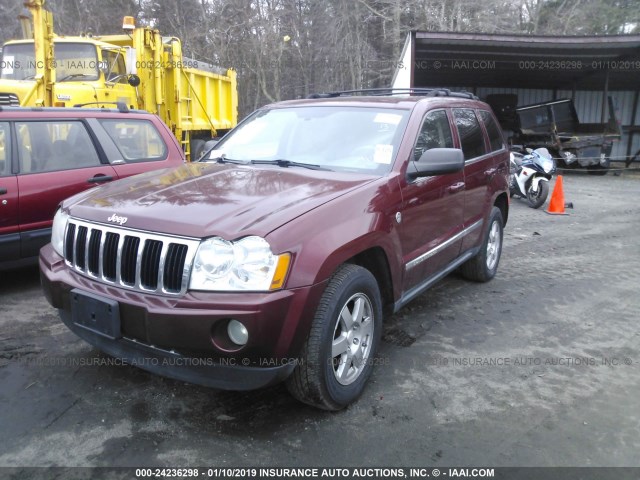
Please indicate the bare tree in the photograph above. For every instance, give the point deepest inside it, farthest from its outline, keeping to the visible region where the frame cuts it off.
(283, 49)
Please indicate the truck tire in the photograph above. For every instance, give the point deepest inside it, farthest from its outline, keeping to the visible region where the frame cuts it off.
(335, 362)
(598, 169)
(197, 149)
(484, 265)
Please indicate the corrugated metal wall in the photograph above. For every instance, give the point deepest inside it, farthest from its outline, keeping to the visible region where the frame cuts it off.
(589, 107)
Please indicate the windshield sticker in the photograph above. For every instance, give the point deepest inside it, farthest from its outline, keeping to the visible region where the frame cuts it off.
(7, 65)
(391, 118)
(383, 154)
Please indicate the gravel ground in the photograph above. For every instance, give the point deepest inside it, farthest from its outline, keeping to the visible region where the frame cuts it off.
(539, 367)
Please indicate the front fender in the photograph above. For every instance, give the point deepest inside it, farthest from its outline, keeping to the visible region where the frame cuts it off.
(328, 236)
(536, 181)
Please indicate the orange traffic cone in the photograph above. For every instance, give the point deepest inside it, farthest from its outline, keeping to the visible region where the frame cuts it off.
(556, 204)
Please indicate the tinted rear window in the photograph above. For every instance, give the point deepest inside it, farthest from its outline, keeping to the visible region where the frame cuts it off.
(471, 137)
(495, 135)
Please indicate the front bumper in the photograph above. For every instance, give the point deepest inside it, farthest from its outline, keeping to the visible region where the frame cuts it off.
(180, 337)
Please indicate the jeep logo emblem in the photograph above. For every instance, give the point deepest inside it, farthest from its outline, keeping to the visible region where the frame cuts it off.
(116, 219)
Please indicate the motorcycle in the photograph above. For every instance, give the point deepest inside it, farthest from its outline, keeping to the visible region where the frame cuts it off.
(529, 175)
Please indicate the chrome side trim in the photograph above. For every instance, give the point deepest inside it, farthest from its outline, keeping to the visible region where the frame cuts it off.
(427, 255)
(418, 289)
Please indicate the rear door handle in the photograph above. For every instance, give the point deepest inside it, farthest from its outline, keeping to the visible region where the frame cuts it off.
(456, 187)
(491, 172)
(3, 191)
(100, 179)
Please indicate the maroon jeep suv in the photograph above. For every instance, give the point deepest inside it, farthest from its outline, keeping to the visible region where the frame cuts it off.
(275, 257)
(49, 154)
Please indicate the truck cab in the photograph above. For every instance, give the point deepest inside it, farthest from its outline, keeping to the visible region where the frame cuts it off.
(84, 71)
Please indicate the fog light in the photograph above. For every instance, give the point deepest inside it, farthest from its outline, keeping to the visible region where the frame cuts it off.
(237, 332)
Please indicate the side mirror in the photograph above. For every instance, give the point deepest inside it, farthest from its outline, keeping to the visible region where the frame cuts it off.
(436, 161)
(134, 80)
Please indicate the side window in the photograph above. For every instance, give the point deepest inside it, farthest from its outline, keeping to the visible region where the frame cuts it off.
(471, 137)
(495, 135)
(55, 145)
(137, 140)
(434, 133)
(5, 150)
(114, 68)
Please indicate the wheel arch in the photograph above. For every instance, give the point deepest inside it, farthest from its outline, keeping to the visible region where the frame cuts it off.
(502, 202)
(375, 260)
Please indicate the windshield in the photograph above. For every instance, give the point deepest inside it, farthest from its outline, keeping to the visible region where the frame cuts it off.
(72, 61)
(358, 139)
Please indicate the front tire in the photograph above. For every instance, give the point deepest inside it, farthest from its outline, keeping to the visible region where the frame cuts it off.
(537, 199)
(336, 360)
(484, 265)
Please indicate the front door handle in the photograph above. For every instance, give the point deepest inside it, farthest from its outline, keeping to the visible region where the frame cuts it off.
(456, 187)
(3, 191)
(100, 179)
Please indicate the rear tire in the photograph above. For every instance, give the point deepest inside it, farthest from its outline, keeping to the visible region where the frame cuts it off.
(484, 265)
(336, 360)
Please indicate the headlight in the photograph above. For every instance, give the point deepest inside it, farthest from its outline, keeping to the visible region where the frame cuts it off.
(57, 231)
(246, 264)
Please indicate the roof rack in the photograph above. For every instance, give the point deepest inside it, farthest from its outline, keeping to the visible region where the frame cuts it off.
(122, 107)
(387, 91)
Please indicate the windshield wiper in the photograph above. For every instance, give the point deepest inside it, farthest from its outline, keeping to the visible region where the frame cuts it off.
(288, 163)
(222, 159)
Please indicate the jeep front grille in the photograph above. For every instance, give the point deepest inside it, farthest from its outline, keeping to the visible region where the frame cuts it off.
(131, 259)
(9, 100)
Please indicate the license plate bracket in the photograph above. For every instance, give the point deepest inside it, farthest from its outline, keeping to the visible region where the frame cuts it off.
(95, 313)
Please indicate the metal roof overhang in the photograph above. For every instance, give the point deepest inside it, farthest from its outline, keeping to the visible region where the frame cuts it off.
(526, 61)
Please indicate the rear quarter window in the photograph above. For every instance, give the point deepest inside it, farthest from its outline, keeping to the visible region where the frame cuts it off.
(137, 140)
(471, 136)
(5, 150)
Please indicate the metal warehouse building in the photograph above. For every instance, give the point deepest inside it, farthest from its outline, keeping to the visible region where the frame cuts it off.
(587, 69)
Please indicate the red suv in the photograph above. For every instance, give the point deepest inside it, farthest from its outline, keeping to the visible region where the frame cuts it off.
(49, 154)
(275, 258)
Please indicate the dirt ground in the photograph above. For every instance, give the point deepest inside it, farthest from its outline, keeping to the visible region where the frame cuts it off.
(539, 367)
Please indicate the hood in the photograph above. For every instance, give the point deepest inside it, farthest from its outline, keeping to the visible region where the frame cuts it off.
(202, 200)
(62, 92)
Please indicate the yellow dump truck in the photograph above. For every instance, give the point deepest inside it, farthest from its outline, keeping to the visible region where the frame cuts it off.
(139, 69)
